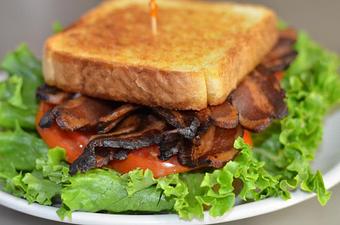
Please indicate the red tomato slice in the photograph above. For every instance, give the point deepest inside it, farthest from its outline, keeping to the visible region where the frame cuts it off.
(147, 158)
(279, 75)
(144, 158)
(247, 138)
(72, 142)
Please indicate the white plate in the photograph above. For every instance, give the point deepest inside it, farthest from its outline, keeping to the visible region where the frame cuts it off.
(327, 160)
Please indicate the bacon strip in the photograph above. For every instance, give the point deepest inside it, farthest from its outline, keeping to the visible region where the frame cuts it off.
(213, 148)
(106, 155)
(52, 95)
(281, 56)
(148, 134)
(193, 150)
(186, 124)
(224, 115)
(170, 145)
(108, 122)
(223, 147)
(82, 113)
(259, 99)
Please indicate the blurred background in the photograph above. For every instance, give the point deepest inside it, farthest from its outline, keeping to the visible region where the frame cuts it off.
(31, 21)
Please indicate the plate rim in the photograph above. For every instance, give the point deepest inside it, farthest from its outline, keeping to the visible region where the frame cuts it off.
(238, 212)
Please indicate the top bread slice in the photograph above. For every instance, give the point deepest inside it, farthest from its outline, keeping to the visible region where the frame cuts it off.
(200, 54)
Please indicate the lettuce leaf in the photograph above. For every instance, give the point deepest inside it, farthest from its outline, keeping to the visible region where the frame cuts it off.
(23, 63)
(21, 149)
(312, 85)
(10, 91)
(7, 171)
(54, 168)
(175, 188)
(42, 184)
(12, 106)
(191, 206)
(17, 94)
(33, 187)
(57, 27)
(138, 180)
(106, 190)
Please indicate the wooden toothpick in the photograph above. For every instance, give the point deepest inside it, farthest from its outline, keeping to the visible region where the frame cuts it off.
(153, 15)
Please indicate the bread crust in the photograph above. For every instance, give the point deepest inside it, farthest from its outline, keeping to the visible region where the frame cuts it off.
(148, 84)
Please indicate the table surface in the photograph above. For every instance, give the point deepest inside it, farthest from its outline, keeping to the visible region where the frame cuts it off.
(31, 20)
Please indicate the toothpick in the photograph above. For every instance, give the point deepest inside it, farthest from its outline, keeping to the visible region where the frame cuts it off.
(154, 25)
(153, 15)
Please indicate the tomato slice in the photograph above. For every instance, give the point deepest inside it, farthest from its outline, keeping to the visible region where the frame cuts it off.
(147, 158)
(279, 75)
(72, 142)
(144, 158)
(247, 138)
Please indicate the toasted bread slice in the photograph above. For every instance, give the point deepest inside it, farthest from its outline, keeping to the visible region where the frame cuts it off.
(202, 51)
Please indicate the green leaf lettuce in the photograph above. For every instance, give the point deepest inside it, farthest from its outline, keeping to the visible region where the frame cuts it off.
(17, 94)
(312, 85)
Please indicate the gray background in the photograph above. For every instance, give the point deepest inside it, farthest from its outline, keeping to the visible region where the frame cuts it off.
(30, 21)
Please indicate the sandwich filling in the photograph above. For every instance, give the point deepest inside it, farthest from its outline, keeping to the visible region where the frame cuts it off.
(100, 133)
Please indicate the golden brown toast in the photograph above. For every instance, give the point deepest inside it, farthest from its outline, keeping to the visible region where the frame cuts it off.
(200, 54)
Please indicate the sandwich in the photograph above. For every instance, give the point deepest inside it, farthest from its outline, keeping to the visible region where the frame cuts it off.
(167, 91)
(141, 121)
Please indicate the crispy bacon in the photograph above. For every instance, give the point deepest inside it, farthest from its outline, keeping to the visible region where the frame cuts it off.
(190, 147)
(223, 147)
(259, 99)
(108, 122)
(185, 123)
(104, 156)
(129, 124)
(199, 146)
(149, 133)
(204, 116)
(224, 115)
(170, 145)
(281, 56)
(82, 113)
(52, 95)
(212, 148)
